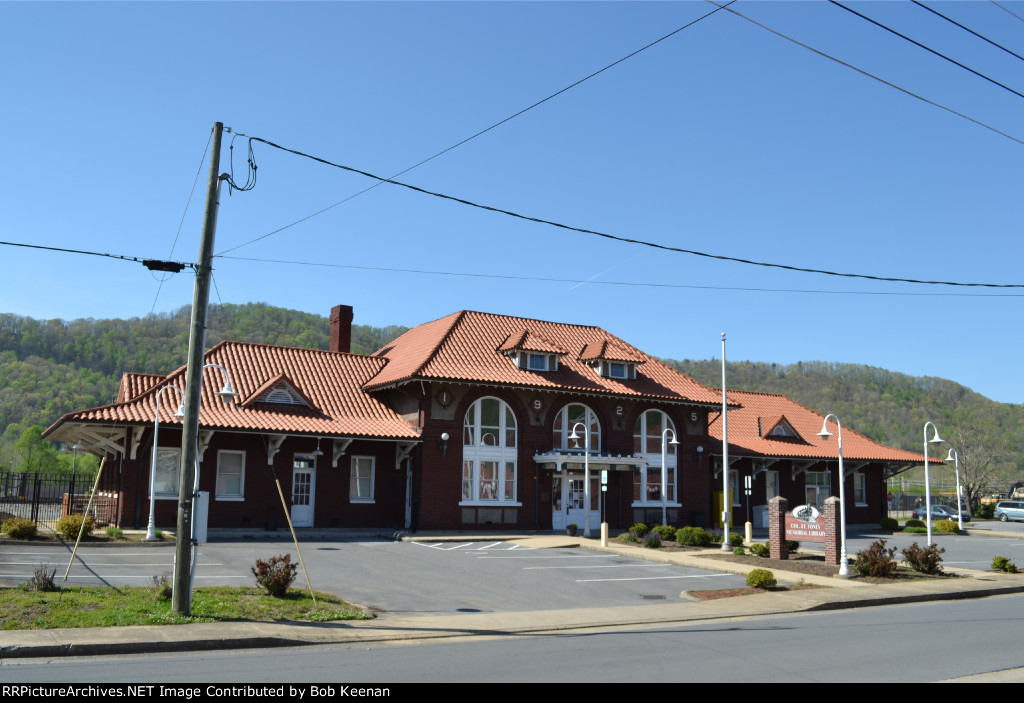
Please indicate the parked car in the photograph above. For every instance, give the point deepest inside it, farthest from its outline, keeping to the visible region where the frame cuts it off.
(941, 512)
(1010, 510)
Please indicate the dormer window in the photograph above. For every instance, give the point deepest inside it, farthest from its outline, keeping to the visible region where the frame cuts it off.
(532, 352)
(538, 362)
(611, 360)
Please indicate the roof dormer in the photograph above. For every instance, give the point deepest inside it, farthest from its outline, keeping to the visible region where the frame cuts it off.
(279, 390)
(611, 360)
(532, 352)
(777, 427)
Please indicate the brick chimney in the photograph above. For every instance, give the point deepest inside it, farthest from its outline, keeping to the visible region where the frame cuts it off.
(341, 328)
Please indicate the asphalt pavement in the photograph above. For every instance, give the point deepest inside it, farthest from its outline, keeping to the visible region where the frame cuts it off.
(837, 594)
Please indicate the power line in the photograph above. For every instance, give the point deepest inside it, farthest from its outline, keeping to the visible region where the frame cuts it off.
(1005, 9)
(927, 48)
(627, 240)
(182, 222)
(868, 75)
(151, 264)
(480, 133)
(631, 284)
(966, 29)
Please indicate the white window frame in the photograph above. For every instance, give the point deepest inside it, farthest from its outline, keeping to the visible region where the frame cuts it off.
(538, 362)
(654, 462)
(355, 474)
(479, 457)
(162, 456)
(860, 493)
(225, 495)
(590, 421)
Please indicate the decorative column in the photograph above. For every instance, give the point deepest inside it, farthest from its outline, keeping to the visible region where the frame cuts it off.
(833, 537)
(777, 548)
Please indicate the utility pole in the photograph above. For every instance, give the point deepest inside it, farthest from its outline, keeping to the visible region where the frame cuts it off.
(181, 599)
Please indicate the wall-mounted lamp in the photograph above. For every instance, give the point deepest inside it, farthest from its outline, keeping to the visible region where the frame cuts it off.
(699, 454)
(317, 452)
(443, 444)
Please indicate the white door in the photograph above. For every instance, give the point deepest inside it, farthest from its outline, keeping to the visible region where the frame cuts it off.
(303, 492)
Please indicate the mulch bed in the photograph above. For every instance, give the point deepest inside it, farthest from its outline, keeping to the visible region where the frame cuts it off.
(815, 565)
(731, 592)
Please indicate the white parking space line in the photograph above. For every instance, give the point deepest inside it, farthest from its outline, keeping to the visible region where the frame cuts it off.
(595, 566)
(443, 546)
(582, 556)
(488, 546)
(658, 578)
(92, 563)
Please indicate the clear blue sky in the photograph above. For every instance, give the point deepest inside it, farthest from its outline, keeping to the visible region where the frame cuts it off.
(724, 138)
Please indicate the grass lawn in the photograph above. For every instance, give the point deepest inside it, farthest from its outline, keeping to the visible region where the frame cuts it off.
(87, 606)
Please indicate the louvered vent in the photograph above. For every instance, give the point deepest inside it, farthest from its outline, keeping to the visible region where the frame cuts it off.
(281, 394)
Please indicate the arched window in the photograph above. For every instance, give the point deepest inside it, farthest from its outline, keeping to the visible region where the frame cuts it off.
(566, 420)
(647, 434)
(489, 452)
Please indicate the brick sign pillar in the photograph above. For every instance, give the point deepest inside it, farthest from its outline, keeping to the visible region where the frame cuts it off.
(833, 536)
(777, 548)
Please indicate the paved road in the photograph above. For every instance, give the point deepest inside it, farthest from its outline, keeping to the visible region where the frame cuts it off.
(909, 643)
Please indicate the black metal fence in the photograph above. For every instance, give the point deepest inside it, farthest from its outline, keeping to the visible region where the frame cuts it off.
(46, 497)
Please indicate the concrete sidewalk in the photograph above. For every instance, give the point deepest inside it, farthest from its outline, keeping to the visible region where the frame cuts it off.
(839, 594)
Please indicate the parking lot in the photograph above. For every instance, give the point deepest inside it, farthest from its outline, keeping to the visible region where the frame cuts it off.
(396, 577)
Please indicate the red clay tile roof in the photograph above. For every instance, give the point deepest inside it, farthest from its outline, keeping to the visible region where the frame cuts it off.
(529, 341)
(744, 439)
(135, 384)
(329, 380)
(610, 351)
(464, 347)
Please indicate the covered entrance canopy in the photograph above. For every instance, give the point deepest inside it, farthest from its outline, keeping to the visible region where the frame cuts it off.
(568, 490)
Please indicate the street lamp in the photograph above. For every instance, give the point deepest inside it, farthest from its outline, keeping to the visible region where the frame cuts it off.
(664, 474)
(586, 474)
(151, 528)
(954, 455)
(927, 484)
(844, 568)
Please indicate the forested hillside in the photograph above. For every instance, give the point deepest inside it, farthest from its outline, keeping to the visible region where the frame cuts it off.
(892, 408)
(50, 367)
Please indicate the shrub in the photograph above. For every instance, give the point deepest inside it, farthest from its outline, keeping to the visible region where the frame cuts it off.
(915, 530)
(876, 561)
(739, 551)
(889, 523)
(652, 540)
(639, 529)
(735, 540)
(924, 560)
(693, 537)
(946, 526)
(986, 511)
(276, 575)
(761, 578)
(42, 579)
(19, 528)
(164, 587)
(628, 537)
(69, 526)
(760, 550)
(115, 532)
(1005, 565)
(793, 546)
(914, 523)
(667, 532)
